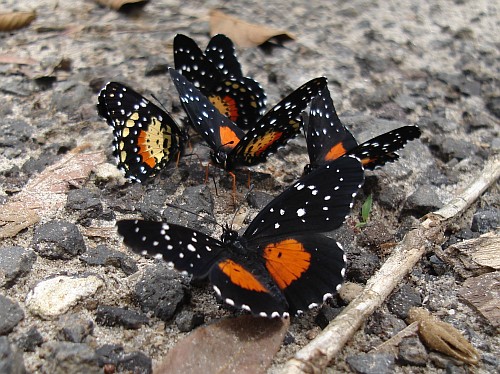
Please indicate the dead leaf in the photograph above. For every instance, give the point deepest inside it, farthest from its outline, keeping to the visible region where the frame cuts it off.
(234, 345)
(10, 59)
(46, 193)
(442, 337)
(16, 20)
(243, 33)
(483, 293)
(123, 5)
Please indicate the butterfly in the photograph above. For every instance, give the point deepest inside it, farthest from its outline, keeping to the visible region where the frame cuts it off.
(231, 147)
(281, 264)
(146, 138)
(217, 74)
(328, 139)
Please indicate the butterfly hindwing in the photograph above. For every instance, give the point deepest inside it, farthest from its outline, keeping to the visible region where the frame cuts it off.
(146, 138)
(317, 202)
(188, 250)
(221, 52)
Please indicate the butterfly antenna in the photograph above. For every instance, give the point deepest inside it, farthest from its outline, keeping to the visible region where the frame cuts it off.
(159, 102)
(207, 218)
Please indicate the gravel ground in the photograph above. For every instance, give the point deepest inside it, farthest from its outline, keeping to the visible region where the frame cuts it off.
(434, 64)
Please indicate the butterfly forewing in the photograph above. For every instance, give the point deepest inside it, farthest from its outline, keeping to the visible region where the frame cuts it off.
(221, 52)
(317, 202)
(188, 250)
(146, 138)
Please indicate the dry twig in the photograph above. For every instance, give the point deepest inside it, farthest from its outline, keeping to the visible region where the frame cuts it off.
(319, 352)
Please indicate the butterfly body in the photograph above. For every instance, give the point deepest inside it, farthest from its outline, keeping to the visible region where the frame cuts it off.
(145, 137)
(328, 139)
(281, 264)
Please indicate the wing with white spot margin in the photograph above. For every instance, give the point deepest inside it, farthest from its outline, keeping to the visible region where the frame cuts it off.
(188, 250)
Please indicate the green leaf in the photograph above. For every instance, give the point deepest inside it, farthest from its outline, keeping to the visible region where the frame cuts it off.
(366, 208)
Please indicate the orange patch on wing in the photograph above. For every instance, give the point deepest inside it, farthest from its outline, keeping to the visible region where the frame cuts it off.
(366, 161)
(286, 261)
(335, 152)
(266, 141)
(226, 105)
(240, 276)
(228, 137)
(145, 149)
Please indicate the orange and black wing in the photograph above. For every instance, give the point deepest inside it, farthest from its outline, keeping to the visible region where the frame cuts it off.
(277, 127)
(146, 138)
(307, 269)
(328, 139)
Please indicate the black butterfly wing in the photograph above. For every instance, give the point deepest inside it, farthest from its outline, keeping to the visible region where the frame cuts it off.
(308, 269)
(194, 65)
(187, 249)
(378, 151)
(221, 52)
(277, 127)
(327, 138)
(317, 202)
(217, 130)
(146, 138)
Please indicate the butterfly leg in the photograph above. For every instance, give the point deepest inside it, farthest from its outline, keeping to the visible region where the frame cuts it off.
(249, 179)
(234, 186)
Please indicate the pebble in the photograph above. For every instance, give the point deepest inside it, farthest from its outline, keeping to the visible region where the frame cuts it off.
(11, 360)
(326, 314)
(447, 148)
(362, 265)
(114, 354)
(36, 165)
(114, 316)
(369, 363)
(55, 296)
(437, 265)
(162, 291)
(66, 357)
(30, 340)
(87, 203)
(75, 329)
(10, 314)
(258, 199)
(153, 203)
(58, 240)
(187, 320)
(485, 220)
(384, 325)
(103, 256)
(156, 66)
(423, 200)
(493, 105)
(401, 301)
(412, 352)
(15, 262)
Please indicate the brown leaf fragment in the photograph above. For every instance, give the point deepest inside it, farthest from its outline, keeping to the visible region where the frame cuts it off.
(243, 344)
(473, 257)
(391, 345)
(442, 337)
(123, 5)
(244, 34)
(483, 293)
(16, 20)
(11, 59)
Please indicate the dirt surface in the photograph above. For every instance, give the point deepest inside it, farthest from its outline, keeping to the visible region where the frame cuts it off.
(434, 64)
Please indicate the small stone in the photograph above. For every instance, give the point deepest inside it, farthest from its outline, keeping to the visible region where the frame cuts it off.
(258, 199)
(15, 262)
(113, 316)
(152, 204)
(135, 362)
(384, 325)
(437, 265)
(493, 105)
(30, 340)
(401, 301)
(412, 352)
(162, 291)
(55, 296)
(103, 256)
(326, 314)
(187, 320)
(75, 329)
(423, 201)
(58, 240)
(36, 165)
(10, 315)
(447, 148)
(485, 220)
(156, 66)
(65, 357)
(369, 363)
(109, 354)
(11, 360)
(85, 202)
(362, 265)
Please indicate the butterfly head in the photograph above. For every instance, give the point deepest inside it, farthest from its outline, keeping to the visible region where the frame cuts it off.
(221, 159)
(229, 236)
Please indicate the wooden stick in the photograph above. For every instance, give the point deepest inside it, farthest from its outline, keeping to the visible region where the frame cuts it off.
(315, 356)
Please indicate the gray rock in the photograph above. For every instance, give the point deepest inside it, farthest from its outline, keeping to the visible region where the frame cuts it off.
(29, 341)
(485, 220)
(10, 315)
(113, 354)
(447, 148)
(461, 83)
(362, 265)
(11, 360)
(36, 165)
(70, 96)
(15, 262)
(493, 105)
(153, 203)
(156, 66)
(15, 132)
(259, 199)
(103, 256)
(187, 320)
(85, 202)
(162, 291)
(401, 301)
(369, 363)
(384, 325)
(437, 265)
(412, 352)
(326, 314)
(423, 201)
(113, 316)
(58, 240)
(65, 357)
(75, 329)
